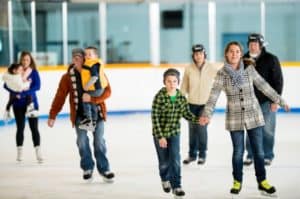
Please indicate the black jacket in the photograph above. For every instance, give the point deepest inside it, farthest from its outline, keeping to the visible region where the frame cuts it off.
(268, 66)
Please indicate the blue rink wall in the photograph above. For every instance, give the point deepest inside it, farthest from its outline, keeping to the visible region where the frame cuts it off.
(134, 88)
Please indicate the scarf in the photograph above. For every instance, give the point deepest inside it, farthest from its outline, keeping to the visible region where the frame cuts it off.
(75, 91)
(236, 75)
(74, 86)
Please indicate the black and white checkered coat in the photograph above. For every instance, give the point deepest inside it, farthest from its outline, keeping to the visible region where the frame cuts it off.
(242, 110)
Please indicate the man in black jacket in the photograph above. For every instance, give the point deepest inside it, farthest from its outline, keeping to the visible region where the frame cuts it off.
(268, 66)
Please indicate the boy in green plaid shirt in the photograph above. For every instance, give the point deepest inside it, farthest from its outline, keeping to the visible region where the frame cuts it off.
(168, 107)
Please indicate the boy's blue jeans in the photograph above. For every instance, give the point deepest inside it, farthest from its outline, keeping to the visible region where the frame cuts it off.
(268, 132)
(256, 140)
(169, 161)
(89, 109)
(197, 135)
(86, 160)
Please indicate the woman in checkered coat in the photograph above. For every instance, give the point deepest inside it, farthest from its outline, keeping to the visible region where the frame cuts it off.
(236, 79)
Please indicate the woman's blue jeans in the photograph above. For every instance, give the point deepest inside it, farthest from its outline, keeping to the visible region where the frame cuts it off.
(256, 141)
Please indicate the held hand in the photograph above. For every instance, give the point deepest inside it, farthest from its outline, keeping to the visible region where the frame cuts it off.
(86, 97)
(274, 107)
(163, 143)
(51, 122)
(203, 120)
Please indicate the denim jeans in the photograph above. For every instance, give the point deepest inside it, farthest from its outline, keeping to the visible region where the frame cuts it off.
(268, 132)
(86, 160)
(90, 110)
(197, 135)
(256, 141)
(169, 161)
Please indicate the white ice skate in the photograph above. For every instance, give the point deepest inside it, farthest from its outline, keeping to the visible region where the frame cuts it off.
(31, 111)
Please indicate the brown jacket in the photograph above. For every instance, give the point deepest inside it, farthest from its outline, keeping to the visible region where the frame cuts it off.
(65, 88)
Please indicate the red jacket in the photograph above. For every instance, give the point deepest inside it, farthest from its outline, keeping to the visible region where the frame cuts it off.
(65, 88)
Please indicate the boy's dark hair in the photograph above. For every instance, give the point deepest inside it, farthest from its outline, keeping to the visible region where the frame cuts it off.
(92, 48)
(12, 67)
(172, 72)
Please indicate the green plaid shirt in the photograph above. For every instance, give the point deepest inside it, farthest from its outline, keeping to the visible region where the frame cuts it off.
(166, 115)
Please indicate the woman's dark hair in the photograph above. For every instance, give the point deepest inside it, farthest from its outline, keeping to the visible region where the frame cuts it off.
(32, 62)
(13, 67)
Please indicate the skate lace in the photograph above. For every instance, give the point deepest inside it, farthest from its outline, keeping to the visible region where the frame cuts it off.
(236, 184)
(265, 184)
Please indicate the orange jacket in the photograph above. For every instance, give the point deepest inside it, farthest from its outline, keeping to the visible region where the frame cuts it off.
(64, 89)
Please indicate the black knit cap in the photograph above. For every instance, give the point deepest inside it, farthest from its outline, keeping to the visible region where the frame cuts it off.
(172, 72)
(78, 52)
(198, 48)
(256, 37)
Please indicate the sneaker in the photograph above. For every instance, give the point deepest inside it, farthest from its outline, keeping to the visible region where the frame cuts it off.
(248, 162)
(88, 175)
(236, 188)
(86, 124)
(31, 111)
(166, 186)
(178, 192)
(266, 189)
(108, 176)
(201, 161)
(268, 162)
(188, 160)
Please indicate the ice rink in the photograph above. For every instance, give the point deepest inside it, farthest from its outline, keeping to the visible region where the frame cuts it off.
(133, 159)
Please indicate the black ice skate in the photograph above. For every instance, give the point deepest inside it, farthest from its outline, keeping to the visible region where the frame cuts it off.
(237, 186)
(88, 175)
(166, 186)
(188, 160)
(108, 176)
(178, 193)
(266, 189)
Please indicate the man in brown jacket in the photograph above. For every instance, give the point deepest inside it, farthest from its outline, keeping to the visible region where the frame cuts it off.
(70, 84)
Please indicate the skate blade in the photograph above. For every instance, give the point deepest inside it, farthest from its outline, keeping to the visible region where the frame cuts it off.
(272, 195)
(108, 180)
(89, 181)
(234, 196)
(178, 197)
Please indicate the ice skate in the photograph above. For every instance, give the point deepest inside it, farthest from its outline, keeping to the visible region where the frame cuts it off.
(108, 176)
(31, 111)
(166, 186)
(38, 154)
(178, 193)
(236, 188)
(88, 175)
(201, 161)
(188, 160)
(266, 189)
(248, 162)
(86, 124)
(19, 154)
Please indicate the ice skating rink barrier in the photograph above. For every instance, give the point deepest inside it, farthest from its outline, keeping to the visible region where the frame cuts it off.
(134, 86)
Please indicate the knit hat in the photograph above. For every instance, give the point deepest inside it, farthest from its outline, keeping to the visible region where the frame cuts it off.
(199, 48)
(78, 52)
(256, 37)
(172, 72)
